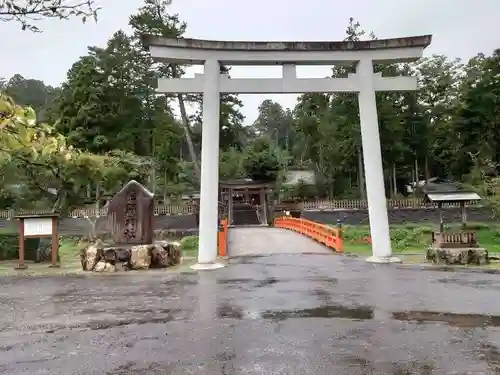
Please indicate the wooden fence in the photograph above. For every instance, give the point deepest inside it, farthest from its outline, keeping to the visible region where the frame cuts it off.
(185, 209)
(356, 204)
(92, 212)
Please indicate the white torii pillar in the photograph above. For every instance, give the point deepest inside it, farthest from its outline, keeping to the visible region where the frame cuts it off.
(209, 180)
(374, 172)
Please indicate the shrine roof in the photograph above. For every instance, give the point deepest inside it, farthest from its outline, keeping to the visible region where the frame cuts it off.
(37, 216)
(245, 184)
(452, 196)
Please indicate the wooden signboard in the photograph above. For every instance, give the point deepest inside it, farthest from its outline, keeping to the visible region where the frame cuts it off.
(36, 226)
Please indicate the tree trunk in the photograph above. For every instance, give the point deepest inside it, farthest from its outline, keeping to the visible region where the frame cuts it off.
(394, 182)
(361, 175)
(426, 165)
(165, 187)
(97, 195)
(187, 132)
(187, 127)
(417, 174)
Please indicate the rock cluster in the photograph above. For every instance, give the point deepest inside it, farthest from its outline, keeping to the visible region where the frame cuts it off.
(99, 258)
(464, 256)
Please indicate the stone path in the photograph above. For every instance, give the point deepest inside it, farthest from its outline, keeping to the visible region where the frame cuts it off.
(264, 240)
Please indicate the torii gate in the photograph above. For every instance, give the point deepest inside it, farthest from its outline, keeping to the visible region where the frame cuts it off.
(212, 53)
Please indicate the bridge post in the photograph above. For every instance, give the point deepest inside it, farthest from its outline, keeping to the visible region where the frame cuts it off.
(209, 189)
(374, 173)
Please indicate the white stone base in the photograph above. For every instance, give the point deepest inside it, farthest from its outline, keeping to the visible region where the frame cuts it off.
(207, 266)
(377, 259)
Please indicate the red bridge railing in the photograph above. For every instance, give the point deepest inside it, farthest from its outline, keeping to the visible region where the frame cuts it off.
(328, 236)
(223, 237)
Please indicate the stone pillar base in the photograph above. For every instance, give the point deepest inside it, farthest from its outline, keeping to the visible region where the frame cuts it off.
(376, 259)
(207, 266)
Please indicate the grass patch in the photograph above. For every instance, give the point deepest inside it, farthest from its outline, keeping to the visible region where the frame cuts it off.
(69, 256)
(189, 246)
(69, 253)
(414, 238)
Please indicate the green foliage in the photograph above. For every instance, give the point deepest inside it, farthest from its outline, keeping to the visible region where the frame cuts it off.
(112, 125)
(27, 11)
(9, 247)
(231, 164)
(189, 246)
(416, 238)
(261, 161)
(46, 163)
(447, 128)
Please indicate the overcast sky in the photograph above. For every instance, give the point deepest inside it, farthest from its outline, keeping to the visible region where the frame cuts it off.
(461, 28)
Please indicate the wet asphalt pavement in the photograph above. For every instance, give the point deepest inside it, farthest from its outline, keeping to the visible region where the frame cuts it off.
(277, 314)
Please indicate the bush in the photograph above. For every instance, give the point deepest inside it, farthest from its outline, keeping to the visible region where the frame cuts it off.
(402, 238)
(189, 245)
(9, 247)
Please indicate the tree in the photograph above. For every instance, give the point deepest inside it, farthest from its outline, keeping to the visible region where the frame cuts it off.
(31, 92)
(274, 121)
(437, 99)
(108, 101)
(27, 12)
(153, 18)
(328, 124)
(51, 167)
(262, 162)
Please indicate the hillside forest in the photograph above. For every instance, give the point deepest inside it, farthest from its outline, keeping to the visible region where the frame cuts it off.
(66, 146)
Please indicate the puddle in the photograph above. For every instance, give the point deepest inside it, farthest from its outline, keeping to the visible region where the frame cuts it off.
(229, 311)
(331, 311)
(234, 281)
(107, 324)
(131, 369)
(245, 259)
(266, 282)
(452, 319)
(127, 311)
(323, 296)
(325, 280)
(180, 282)
(159, 316)
(252, 283)
(470, 283)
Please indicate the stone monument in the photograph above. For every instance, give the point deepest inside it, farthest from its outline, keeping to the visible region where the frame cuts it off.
(130, 215)
(130, 222)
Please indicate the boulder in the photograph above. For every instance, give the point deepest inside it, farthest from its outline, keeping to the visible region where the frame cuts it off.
(464, 256)
(123, 255)
(140, 257)
(479, 257)
(92, 255)
(159, 256)
(103, 266)
(176, 252)
(165, 254)
(109, 256)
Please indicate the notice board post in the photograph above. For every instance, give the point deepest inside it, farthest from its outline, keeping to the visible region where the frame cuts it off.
(38, 226)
